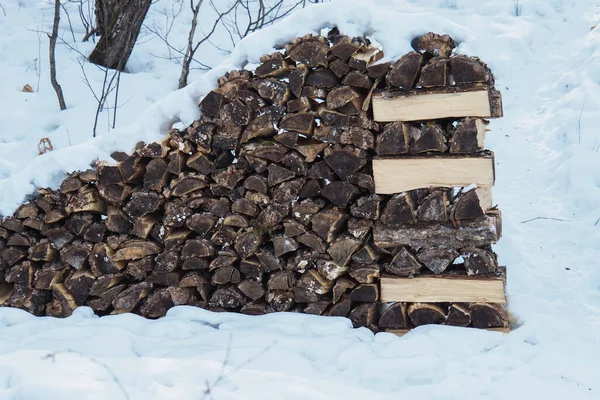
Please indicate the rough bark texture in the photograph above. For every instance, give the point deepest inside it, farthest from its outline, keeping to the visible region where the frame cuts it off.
(119, 23)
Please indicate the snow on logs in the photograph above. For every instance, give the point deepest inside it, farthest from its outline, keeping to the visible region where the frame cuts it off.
(287, 195)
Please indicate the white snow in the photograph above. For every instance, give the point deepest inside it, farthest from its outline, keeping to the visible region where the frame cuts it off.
(547, 65)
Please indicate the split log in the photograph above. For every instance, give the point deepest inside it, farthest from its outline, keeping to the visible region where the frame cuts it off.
(327, 223)
(404, 72)
(317, 308)
(469, 136)
(27, 210)
(109, 174)
(365, 273)
(79, 285)
(42, 251)
(135, 249)
(403, 264)
(358, 80)
(86, 199)
(252, 289)
(485, 315)
(458, 315)
(343, 95)
(344, 163)
(434, 44)
(247, 244)
(364, 57)
(364, 314)
(297, 79)
(431, 138)
(339, 193)
(467, 70)
(341, 308)
(225, 275)
(466, 207)
(367, 293)
(339, 68)
(321, 78)
(211, 103)
(399, 210)
(434, 74)
(309, 50)
(59, 237)
(272, 65)
(366, 207)
(156, 175)
(342, 285)
(479, 261)
(367, 255)
(434, 207)
(129, 298)
(437, 259)
(280, 301)
(158, 304)
(76, 254)
(272, 89)
(424, 314)
(394, 316)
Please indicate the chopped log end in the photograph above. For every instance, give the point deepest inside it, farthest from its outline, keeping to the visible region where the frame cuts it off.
(394, 316)
(425, 314)
(485, 315)
(458, 315)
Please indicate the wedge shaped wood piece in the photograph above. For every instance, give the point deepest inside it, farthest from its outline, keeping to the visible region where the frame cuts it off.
(445, 288)
(436, 105)
(422, 173)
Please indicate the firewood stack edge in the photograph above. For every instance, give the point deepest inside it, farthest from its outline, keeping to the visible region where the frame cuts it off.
(325, 182)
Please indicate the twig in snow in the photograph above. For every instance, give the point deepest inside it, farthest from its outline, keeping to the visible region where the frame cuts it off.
(598, 220)
(3, 10)
(115, 378)
(222, 374)
(546, 218)
(53, 37)
(579, 120)
(69, 19)
(518, 6)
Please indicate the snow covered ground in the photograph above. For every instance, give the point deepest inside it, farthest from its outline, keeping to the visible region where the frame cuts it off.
(547, 65)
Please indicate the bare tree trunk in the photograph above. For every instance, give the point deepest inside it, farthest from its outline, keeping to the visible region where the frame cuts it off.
(53, 37)
(119, 22)
(191, 49)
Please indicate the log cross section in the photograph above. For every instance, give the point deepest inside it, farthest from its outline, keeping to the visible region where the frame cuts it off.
(396, 175)
(452, 289)
(429, 106)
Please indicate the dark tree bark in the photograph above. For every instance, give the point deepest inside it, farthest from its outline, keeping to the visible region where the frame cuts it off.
(119, 23)
(53, 37)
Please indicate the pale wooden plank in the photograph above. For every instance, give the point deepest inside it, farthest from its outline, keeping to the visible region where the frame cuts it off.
(402, 332)
(396, 175)
(451, 289)
(425, 106)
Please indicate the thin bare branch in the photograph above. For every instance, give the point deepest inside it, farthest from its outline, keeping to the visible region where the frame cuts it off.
(545, 218)
(53, 37)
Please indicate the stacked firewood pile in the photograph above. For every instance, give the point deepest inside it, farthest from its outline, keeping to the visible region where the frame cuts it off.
(282, 198)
